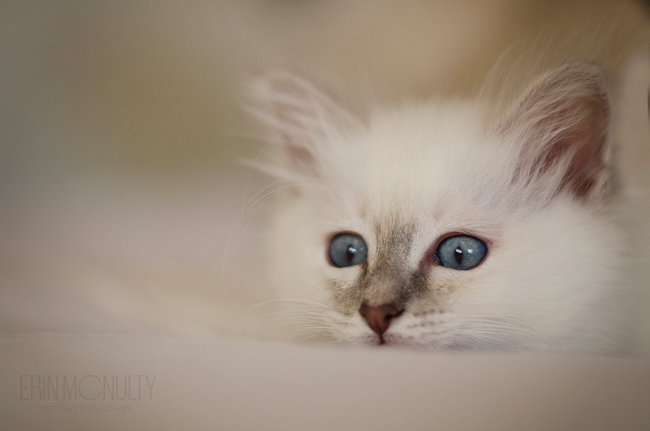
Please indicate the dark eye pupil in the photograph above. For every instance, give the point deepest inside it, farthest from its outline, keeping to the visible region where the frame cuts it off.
(350, 253)
(458, 255)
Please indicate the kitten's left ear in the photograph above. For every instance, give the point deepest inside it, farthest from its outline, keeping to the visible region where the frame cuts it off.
(562, 125)
(310, 127)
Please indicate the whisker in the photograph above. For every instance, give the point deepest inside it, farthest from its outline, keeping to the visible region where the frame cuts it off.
(504, 322)
(303, 317)
(247, 207)
(284, 301)
(482, 328)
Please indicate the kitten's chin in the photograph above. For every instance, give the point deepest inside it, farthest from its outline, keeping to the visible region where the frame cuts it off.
(445, 342)
(401, 341)
(388, 341)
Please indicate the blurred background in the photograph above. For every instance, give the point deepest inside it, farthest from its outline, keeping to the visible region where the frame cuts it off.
(124, 207)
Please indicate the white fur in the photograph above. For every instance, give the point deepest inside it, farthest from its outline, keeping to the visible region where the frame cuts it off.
(552, 278)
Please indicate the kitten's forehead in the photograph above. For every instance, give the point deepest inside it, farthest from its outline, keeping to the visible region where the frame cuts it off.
(425, 160)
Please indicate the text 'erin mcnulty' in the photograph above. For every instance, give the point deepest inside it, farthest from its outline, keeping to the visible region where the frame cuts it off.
(89, 387)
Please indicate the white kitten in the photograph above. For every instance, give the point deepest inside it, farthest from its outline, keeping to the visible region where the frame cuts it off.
(429, 226)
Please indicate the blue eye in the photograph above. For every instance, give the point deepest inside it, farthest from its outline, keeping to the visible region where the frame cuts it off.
(461, 252)
(347, 250)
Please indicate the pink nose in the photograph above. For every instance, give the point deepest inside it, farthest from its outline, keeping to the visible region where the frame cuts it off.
(379, 317)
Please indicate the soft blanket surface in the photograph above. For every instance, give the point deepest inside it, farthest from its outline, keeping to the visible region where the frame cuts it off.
(176, 384)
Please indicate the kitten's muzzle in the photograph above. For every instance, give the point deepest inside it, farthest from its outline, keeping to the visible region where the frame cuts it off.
(379, 317)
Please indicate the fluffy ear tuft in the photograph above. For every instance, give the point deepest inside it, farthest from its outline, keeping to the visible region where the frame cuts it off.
(562, 125)
(307, 124)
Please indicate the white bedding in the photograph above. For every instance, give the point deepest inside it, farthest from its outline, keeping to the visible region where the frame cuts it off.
(241, 385)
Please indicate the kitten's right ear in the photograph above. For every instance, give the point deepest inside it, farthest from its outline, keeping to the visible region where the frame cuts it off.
(308, 126)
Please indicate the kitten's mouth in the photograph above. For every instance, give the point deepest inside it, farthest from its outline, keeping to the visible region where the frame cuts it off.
(386, 342)
(377, 341)
(389, 344)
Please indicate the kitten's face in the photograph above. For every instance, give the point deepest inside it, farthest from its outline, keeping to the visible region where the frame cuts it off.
(426, 228)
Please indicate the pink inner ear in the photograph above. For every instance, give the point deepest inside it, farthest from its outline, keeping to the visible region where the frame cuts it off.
(586, 160)
(300, 157)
